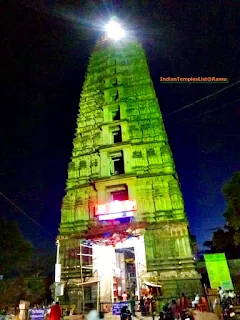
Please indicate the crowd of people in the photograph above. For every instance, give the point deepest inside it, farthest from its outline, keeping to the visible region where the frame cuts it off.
(229, 295)
(224, 301)
(148, 305)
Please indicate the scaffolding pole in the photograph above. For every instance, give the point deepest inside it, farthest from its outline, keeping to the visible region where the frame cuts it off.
(98, 297)
(81, 272)
(85, 267)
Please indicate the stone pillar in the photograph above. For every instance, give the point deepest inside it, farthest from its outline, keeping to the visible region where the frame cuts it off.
(131, 189)
(101, 194)
(105, 164)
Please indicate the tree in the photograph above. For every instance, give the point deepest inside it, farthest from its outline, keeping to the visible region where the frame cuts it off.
(15, 251)
(210, 246)
(227, 240)
(12, 291)
(33, 289)
(26, 270)
(231, 191)
(41, 264)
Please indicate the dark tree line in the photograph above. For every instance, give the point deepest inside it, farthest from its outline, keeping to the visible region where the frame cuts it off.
(15, 251)
(227, 239)
(27, 272)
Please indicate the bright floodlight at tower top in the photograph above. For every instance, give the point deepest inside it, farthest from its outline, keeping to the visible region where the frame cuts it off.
(114, 30)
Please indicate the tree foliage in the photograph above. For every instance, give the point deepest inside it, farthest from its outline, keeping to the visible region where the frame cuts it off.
(223, 241)
(231, 191)
(11, 292)
(227, 240)
(41, 264)
(33, 289)
(26, 270)
(15, 251)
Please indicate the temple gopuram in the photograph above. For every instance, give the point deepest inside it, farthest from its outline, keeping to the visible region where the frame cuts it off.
(123, 223)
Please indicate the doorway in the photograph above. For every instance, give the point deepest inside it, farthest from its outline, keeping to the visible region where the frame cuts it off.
(126, 279)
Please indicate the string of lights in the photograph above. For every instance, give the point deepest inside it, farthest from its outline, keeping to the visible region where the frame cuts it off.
(23, 212)
(202, 99)
(207, 112)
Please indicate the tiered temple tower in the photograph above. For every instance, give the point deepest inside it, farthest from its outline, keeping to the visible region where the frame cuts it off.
(121, 152)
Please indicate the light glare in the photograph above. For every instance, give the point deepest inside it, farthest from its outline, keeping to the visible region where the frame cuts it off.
(114, 31)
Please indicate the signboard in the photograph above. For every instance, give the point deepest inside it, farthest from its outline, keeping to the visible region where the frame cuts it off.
(59, 289)
(37, 314)
(117, 307)
(116, 209)
(114, 216)
(218, 271)
(57, 272)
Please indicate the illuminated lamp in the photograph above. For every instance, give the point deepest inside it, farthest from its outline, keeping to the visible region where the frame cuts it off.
(114, 31)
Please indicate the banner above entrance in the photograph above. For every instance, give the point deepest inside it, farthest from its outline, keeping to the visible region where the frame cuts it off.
(116, 210)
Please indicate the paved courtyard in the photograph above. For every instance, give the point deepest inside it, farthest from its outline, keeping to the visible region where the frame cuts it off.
(109, 316)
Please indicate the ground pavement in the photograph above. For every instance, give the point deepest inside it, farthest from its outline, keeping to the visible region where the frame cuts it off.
(109, 316)
(198, 316)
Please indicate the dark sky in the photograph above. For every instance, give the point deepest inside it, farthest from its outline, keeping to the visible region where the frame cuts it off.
(45, 46)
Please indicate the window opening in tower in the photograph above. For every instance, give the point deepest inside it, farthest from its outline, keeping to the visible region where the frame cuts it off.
(117, 164)
(120, 195)
(116, 114)
(116, 134)
(116, 96)
(114, 82)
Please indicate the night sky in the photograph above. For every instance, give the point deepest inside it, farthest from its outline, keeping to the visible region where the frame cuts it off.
(45, 48)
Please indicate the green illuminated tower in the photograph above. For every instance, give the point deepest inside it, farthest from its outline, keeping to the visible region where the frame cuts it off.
(121, 152)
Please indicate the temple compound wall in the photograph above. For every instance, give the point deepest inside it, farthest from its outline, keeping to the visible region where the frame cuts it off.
(120, 153)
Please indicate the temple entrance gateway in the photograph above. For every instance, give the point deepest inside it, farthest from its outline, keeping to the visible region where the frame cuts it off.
(117, 267)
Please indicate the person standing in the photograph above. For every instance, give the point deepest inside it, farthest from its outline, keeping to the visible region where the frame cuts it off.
(232, 297)
(55, 312)
(92, 314)
(217, 307)
(221, 293)
(196, 301)
(175, 309)
(142, 306)
(182, 302)
(124, 296)
(133, 304)
(226, 294)
(147, 306)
